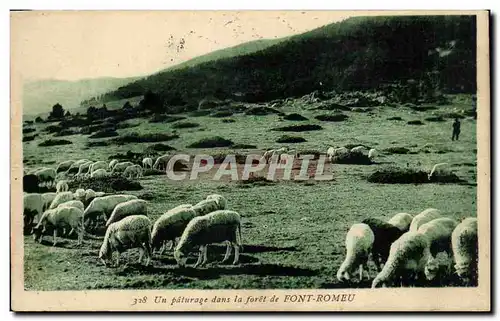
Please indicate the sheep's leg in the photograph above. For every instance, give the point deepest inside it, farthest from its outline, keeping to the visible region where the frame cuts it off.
(118, 259)
(200, 253)
(228, 252)
(361, 272)
(236, 253)
(55, 237)
(141, 250)
(148, 251)
(205, 250)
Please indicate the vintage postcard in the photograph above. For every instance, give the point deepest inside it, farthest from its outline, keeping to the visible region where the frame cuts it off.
(250, 161)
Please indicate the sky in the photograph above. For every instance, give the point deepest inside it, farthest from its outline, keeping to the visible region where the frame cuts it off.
(71, 45)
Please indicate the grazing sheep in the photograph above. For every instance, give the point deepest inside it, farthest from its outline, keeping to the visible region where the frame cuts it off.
(47, 199)
(147, 162)
(424, 217)
(98, 165)
(120, 167)
(407, 258)
(133, 171)
(372, 153)
(33, 207)
(385, 235)
(161, 162)
(131, 232)
(132, 207)
(75, 167)
(60, 218)
(75, 203)
(358, 242)
(61, 198)
(80, 194)
(64, 166)
(438, 233)
(170, 225)
(112, 164)
(99, 173)
(216, 227)
(401, 221)
(334, 152)
(464, 243)
(436, 169)
(83, 169)
(46, 175)
(62, 186)
(205, 207)
(104, 206)
(219, 199)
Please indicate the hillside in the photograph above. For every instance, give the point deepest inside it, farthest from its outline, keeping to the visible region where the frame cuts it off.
(40, 96)
(357, 53)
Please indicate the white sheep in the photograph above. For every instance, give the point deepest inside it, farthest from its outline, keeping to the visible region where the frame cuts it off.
(170, 225)
(64, 166)
(372, 153)
(33, 207)
(83, 169)
(435, 169)
(99, 173)
(131, 232)
(61, 198)
(358, 149)
(334, 152)
(358, 242)
(112, 164)
(438, 233)
(74, 203)
(205, 207)
(62, 186)
(120, 167)
(80, 194)
(46, 175)
(76, 165)
(402, 221)
(104, 206)
(424, 217)
(407, 259)
(221, 200)
(147, 162)
(161, 162)
(464, 243)
(132, 207)
(98, 165)
(133, 171)
(60, 218)
(47, 199)
(216, 227)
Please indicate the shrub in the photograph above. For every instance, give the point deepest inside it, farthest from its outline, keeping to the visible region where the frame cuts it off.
(435, 119)
(28, 130)
(144, 138)
(104, 133)
(299, 128)
(361, 110)
(334, 117)
(159, 148)
(54, 142)
(397, 150)
(198, 113)
(262, 111)
(53, 129)
(291, 139)
(222, 113)
(295, 117)
(228, 120)
(211, 142)
(415, 122)
(395, 118)
(398, 175)
(109, 184)
(333, 106)
(244, 146)
(422, 108)
(28, 138)
(256, 180)
(66, 132)
(350, 146)
(97, 144)
(185, 125)
(354, 158)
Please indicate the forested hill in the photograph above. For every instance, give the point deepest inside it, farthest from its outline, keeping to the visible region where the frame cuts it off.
(355, 54)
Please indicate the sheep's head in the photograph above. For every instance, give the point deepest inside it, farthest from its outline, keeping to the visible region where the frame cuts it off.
(37, 233)
(180, 257)
(105, 254)
(378, 283)
(431, 269)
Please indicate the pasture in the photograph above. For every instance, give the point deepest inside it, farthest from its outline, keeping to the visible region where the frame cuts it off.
(293, 232)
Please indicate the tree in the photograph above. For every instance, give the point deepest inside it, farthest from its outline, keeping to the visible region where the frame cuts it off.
(67, 114)
(57, 111)
(152, 101)
(39, 120)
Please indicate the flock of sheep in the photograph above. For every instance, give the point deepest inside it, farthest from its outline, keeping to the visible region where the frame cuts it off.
(404, 249)
(407, 249)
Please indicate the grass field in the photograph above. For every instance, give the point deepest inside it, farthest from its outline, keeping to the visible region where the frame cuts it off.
(293, 232)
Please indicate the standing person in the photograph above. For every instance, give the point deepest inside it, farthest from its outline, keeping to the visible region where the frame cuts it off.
(456, 129)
